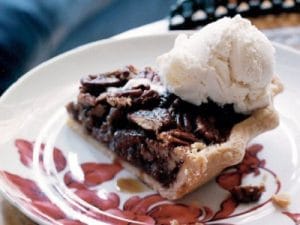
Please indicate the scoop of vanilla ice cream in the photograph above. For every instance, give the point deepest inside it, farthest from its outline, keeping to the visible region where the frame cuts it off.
(228, 61)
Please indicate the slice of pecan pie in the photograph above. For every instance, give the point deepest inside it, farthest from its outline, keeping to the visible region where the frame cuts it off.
(170, 144)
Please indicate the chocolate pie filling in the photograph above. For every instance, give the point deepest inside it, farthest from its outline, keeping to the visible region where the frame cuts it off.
(146, 128)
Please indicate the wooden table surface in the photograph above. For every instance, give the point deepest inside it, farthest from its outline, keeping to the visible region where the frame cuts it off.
(9, 215)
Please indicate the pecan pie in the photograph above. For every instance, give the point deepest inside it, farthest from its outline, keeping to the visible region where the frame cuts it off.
(170, 144)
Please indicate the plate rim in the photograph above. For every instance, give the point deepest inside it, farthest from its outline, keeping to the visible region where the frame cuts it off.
(85, 47)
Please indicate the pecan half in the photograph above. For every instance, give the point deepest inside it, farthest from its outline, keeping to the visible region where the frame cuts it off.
(206, 129)
(148, 97)
(184, 121)
(100, 81)
(96, 84)
(153, 120)
(118, 101)
(125, 142)
(86, 99)
(177, 137)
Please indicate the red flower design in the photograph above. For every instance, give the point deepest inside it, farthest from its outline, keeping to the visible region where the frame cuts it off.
(294, 216)
(97, 173)
(199, 223)
(25, 149)
(59, 160)
(229, 180)
(141, 205)
(162, 213)
(109, 201)
(70, 222)
(131, 202)
(227, 208)
(38, 198)
(233, 176)
(152, 209)
(123, 218)
(251, 163)
(130, 216)
(184, 214)
(49, 209)
(94, 174)
(72, 183)
(27, 187)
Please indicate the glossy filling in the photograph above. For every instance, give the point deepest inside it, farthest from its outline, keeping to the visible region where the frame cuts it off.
(148, 129)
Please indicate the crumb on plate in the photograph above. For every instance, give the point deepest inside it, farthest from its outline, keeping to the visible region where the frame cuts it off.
(281, 200)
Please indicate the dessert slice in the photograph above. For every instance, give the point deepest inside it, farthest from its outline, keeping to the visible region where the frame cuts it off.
(179, 127)
(172, 145)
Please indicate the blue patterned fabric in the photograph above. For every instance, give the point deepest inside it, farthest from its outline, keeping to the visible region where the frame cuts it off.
(32, 31)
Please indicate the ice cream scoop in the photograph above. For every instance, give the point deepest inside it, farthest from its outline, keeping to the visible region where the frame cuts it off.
(229, 62)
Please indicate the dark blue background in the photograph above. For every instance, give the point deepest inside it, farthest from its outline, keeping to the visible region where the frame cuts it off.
(32, 31)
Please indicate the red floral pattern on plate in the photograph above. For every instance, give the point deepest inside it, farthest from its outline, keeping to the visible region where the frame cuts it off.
(109, 201)
(293, 216)
(228, 180)
(94, 174)
(152, 209)
(38, 200)
(25, 149)
(27, 187)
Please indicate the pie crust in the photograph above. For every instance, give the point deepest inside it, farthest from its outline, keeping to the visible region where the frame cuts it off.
(201, 163)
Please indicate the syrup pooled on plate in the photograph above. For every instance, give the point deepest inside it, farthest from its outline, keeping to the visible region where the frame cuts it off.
(130, 185)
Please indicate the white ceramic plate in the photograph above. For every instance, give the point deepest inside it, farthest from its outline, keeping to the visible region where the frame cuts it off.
(55, 177)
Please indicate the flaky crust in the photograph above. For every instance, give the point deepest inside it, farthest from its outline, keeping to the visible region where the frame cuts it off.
(202, 163)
